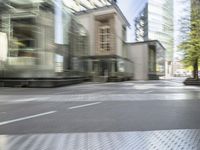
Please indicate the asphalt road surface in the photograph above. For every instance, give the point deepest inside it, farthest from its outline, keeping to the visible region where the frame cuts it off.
(144, 114)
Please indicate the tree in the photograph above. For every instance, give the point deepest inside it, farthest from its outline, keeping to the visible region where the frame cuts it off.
(191, 44)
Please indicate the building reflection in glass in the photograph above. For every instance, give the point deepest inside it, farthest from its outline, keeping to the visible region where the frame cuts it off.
(39, 39)
(109, 68)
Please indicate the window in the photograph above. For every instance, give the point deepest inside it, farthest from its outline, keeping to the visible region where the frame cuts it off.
(23, 40)
(152, 58)
(3, 46)
(104, 37)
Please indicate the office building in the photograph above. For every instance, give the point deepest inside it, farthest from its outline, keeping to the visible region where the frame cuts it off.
(111, 57)
(155, 22)
(149, 59)
(107, 33)
(40, 40)
(47, 43)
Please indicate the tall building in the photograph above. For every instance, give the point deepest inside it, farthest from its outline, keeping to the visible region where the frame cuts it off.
(40, 40)
(155, 22)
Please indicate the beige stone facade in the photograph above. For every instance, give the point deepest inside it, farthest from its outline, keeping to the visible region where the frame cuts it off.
(110, 56)
(107, 34)
(109, 16)
(107, 20)
(149, 59)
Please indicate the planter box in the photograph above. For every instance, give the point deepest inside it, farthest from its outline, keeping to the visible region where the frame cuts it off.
(191, 81)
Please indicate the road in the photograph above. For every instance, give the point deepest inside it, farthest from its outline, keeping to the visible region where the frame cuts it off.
(124, 115)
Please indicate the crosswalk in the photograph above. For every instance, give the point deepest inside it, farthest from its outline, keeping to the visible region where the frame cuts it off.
(147, 95)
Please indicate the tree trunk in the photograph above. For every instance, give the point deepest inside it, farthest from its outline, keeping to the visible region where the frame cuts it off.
(196, 69)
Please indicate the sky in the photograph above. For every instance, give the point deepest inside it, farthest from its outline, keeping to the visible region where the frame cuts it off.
(131, 8)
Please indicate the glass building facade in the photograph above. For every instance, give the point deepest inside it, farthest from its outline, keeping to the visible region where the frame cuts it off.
(40, 39)
(155, 22)
(156, 59)
(109, 67)
(82, 5)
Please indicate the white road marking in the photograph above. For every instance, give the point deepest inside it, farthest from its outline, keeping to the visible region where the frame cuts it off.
(148, 92)
(26, 118)
(35, 99)
(26, 100)
(3, 112)
(85, 105)
(19, 100)
(61, 92)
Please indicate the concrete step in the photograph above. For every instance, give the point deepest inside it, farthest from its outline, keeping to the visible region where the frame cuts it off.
(100, 79)
(40, 83)
(191, 81)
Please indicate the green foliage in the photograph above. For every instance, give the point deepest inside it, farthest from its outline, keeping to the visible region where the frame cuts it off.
(191, 46)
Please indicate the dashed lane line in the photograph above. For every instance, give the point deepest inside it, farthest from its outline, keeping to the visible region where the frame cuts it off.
(26, 118)
(85, 105)
(148, 92)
